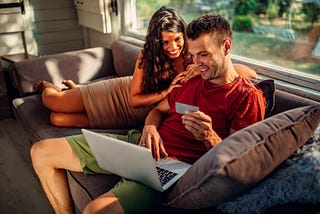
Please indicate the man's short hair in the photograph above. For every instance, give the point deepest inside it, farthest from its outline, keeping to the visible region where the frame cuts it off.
(213, 24)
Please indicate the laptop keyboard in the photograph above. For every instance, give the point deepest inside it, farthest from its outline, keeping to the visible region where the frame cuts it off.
(165, 175)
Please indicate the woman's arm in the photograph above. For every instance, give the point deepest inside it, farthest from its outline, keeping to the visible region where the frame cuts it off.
(245, 71)
(136, 98)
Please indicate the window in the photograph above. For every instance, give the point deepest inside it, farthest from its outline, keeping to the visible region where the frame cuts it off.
(280, 37)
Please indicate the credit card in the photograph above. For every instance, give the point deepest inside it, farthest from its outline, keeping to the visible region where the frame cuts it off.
(181, 108)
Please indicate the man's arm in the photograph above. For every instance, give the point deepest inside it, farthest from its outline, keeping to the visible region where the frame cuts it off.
(150, 137)
(200, 125)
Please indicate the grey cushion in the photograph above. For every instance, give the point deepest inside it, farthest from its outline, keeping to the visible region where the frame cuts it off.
(243, 159)
(124, 57)
(80, 66)
(35, 119)
(268, 88)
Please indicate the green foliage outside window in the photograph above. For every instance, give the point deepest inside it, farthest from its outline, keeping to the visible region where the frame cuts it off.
(280, 32)
(242, 23)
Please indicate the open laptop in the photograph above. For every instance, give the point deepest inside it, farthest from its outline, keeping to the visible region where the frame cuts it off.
(134, 162)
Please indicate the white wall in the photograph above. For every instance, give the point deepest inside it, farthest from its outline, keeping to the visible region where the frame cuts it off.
(55, 26)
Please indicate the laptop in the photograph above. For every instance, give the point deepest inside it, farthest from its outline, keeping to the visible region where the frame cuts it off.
(134, 162)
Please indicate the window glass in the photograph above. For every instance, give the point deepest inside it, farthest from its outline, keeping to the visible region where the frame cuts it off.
(285, 33)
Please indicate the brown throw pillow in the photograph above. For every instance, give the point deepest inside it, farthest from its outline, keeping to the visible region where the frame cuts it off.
(243, 159)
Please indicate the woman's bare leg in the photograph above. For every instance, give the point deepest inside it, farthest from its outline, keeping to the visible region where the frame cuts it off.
(66, 106)
(68, 101)
(70, 119)
(245, 71)
(50, 158)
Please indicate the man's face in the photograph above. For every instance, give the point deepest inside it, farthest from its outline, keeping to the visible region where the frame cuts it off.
(208, 57)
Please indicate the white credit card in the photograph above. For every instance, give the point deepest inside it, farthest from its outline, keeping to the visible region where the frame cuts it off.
(181, 108)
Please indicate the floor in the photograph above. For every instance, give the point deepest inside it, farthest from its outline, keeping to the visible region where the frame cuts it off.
(19, 187)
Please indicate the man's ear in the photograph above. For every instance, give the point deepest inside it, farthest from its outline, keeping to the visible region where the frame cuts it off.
(227, 46)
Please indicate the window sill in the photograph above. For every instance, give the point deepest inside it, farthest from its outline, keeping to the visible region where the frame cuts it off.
(295, 82)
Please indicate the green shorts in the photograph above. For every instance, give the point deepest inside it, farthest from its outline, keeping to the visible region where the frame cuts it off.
(133, 196)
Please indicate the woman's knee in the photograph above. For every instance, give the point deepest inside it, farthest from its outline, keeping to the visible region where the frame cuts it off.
(55, 119)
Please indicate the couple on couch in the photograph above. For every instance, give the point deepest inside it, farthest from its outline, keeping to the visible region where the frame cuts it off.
(227, 102)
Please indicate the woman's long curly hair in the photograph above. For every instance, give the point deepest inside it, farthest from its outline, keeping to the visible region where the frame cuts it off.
(158, 68)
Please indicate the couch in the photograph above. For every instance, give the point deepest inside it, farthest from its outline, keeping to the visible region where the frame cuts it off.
(94, 64)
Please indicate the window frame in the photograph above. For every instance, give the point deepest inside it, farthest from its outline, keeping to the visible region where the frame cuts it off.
(289, 80)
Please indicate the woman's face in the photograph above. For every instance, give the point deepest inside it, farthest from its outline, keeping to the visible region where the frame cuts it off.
(172, 43)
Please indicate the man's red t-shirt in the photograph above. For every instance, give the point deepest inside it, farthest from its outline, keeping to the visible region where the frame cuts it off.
(232, 106)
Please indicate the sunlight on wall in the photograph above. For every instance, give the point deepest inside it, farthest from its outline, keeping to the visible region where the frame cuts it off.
(15, 32)
(11, 44)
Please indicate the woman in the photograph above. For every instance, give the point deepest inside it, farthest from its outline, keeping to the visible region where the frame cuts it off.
(163, 64)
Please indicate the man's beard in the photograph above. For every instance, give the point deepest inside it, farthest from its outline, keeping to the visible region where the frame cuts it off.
(217, 70)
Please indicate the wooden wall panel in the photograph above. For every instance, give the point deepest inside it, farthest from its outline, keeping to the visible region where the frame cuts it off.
(61, 47)
(55, 26)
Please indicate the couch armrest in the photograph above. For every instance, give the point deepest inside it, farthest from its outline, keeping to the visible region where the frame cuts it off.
(80, 66)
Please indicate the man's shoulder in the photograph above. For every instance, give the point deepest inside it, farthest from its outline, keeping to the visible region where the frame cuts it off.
(245, 89)
(246, 84)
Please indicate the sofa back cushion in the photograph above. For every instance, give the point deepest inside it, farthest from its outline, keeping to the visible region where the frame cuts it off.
(285, 101)
(124, 57)
(80, 66)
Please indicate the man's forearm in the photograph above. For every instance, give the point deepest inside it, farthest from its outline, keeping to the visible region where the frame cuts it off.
(154, 118)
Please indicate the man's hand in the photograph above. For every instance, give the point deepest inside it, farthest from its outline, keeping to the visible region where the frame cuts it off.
(200, 125)
(151, 139)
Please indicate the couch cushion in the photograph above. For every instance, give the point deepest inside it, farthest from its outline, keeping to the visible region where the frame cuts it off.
(285, 101)
(296, 180)
(243, 159)
(35, 119)
(124, 56)
(85, 188)
(80, 66)
(268, 88)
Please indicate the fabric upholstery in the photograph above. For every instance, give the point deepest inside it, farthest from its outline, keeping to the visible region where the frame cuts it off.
(243, 159)
(124, 56)
(35, 119)
(83, 191)
(295, 180)
(80, 66)
(268, 88)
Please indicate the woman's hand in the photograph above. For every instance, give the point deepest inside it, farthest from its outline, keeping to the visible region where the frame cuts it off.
(176, 82)
(191, 71)
(200, 125)
(151, 139)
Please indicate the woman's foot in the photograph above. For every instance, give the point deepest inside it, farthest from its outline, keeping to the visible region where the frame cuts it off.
(41, 85)
(69, 83)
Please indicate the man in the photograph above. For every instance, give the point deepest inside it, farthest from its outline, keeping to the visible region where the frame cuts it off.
(226, 101)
